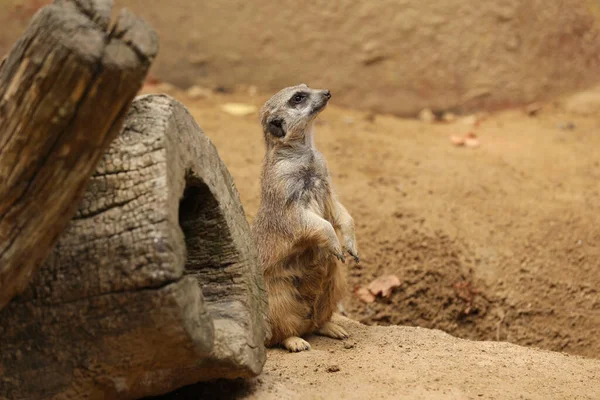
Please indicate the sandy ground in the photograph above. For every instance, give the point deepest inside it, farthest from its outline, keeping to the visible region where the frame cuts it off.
(495, 243)
(413, 363)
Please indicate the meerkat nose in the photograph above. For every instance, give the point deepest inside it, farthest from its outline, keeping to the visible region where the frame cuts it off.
(327, 94)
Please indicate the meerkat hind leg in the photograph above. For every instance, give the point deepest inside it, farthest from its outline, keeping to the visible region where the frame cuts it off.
(295, 344)
(332, 330)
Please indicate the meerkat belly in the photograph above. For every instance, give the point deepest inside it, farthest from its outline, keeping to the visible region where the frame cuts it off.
(310, 277)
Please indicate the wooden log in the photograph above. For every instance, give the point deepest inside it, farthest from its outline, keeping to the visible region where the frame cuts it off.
(155, 283)
(64, 90)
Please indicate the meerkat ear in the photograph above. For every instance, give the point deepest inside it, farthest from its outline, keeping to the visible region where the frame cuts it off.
(276, 128)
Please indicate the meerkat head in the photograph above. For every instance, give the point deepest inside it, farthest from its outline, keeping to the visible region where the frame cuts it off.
(288, 115)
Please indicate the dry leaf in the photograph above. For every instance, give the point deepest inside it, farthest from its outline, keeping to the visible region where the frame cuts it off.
(239, 109)
(364, 295)
(457, 140)
(471, 140)
(384, 285)
(151, 80)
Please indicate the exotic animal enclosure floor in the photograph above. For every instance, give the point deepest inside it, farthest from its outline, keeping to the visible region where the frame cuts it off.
(495, 242)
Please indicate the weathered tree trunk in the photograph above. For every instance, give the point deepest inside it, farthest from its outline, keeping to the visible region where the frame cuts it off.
(154, 285)
(64, 90)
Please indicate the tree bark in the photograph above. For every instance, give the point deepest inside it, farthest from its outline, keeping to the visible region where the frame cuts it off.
(155, 283)
(64, 90)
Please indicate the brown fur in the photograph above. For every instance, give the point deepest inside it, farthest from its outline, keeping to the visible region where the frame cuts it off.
(300, 223)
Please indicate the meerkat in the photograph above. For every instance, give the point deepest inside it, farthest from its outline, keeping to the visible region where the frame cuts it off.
(301, 228)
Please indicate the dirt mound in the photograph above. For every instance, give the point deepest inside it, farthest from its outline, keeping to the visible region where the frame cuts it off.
(438, 288)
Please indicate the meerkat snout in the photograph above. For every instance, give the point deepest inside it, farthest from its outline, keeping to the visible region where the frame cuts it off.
(288, 115)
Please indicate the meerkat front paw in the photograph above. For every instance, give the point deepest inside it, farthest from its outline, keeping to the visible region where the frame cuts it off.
(296, 344)
(340, 256)
(333, 331)
(350, 247)
(338, 252)
(354, 255)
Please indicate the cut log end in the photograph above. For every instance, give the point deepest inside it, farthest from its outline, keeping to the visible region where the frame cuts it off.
(136, 33)
(65, 87)
(96, 10)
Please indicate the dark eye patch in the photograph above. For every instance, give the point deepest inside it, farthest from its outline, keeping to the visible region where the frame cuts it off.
(298, 98)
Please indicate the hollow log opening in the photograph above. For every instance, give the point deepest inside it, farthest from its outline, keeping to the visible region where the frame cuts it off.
(197, 207)
(200, 220)
(209, 247)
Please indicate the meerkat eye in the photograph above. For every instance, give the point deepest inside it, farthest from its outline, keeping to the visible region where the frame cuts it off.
(298, 98)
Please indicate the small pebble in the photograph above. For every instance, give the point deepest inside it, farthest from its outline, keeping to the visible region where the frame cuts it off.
(239, 109)
(252, 91)
(197, 92)
(470, 120)
(449, 117)
(566, 126)
(533, 109)
(426, 115)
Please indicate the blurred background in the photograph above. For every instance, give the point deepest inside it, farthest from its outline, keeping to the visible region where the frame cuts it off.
(462, 135)
(390, 56)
